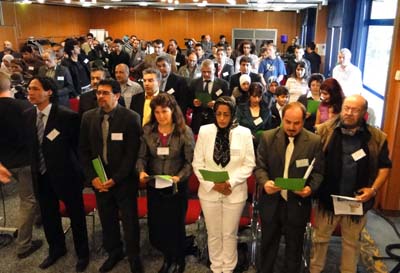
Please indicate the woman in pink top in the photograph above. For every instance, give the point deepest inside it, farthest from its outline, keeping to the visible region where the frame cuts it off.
(331, 100)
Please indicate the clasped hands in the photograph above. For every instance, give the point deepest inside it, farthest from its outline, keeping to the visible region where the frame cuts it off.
(143, 178)
(102, 187)
(224, 188)
(271, 188)
(197, 103)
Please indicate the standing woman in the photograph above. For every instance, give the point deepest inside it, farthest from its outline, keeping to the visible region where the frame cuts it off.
(332, 97)
(167, 149)
(297, 83)
(223, 146)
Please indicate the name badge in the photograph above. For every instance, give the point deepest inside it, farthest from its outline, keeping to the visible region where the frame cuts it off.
(225, 74)
(358, 155)
(219, 92)
(53, 134)
(177, 64)
(60, 78)
(235, 152)
(258, 121)
(31, 68)
(162, 150)
(171, 91)
(139, 59)
(117, 136)
(86, 61)
(302, 163)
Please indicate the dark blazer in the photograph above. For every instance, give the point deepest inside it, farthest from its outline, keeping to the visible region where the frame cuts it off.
(122, 154)
(87, 101)
(60, 154)
(235, 80)
(180, 93)
(79, 80)
(275, 117)
(226, 73)
(270, 165)
(203, 114)
(180, 60)
(137, 104)
(65, 86)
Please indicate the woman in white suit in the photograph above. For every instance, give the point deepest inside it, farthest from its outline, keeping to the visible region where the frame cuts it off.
(223, 146)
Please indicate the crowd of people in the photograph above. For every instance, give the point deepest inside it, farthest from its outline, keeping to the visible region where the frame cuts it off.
(152, 117)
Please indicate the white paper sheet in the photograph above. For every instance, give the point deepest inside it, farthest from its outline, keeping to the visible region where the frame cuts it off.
(344, 205)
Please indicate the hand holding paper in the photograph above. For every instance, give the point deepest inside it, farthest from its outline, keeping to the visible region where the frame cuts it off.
(216, 177)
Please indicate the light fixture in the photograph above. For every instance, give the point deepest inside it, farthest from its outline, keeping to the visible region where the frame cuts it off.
(202, 4)
(170, 8)
(94, 1)
(115, 0)
(25, 2)
(86, 4)
(143, 4)
(195, 1)
(82, 1)
(67, 1)
(170, 1)
(176, 2)
(40, 1)
(106, 7)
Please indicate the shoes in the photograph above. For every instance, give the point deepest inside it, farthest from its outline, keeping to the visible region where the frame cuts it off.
(165, 266)
(82, 264)
(51, 259)
(111, 262)
(136, 266)
(35, 245)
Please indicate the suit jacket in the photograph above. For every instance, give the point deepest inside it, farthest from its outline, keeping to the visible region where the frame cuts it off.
(199, 113)
(137, 104)
(59, 146)
(65, 86)
(122, 149)
(240, 166)
(270, 165)
(179, 85)
(226, 73)
(180, 60)
(275, 117)
(235, 80)
(87, 101)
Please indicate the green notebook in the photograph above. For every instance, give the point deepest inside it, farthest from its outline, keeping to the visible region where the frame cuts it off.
(203, 97)
(293, 184)
(99, 168)
(312, 106)
(216, 177)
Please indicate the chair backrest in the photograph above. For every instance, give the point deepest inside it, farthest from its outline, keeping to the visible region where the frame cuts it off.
(193, 185)
(251, 184)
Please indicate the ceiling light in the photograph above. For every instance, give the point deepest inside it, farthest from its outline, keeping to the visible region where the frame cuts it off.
(94, 1)
(40, 1)
(163, 1)
(170, 8)
(106, 7)
(195, 1)
(86, 4)
(202, 4)
(67, 1)
(176, 2)
(231, 2)
(82, 1)
(25, 2)
(115, 0)
(143, 4)
(170, 1)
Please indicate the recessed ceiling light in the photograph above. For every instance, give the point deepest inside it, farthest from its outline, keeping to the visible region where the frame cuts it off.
(94, 1)
(86, 4)
(40, 1)
(67, 1)
(25, 2)
(106, 7)
(195, 1)
(143, 4)
(176, 2)
(170, 8)
(115, 0)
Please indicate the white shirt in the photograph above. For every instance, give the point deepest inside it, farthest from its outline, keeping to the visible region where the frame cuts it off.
(296, 89)
(349, 79)
(240, 166)
(128, 90)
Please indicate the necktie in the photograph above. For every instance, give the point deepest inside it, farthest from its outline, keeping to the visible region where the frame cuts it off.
(288, 156)
(219, 71)
(104, 130)
(40, 133)
(206, 86)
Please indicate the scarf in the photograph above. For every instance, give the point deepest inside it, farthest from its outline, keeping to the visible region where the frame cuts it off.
(222, 151)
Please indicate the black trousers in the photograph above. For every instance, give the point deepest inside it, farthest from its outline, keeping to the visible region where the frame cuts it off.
(166, 221)
(272, 230)
(120, 203)
(49, 205)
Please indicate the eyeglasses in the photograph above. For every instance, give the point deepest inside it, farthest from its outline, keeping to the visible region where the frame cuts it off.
(104, 93)
(351, 110)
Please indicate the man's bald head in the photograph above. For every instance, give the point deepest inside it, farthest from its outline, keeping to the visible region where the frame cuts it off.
(5, 82)
(122, 73)
(353, 111)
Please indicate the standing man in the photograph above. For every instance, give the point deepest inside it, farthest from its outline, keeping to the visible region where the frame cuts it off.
(175, 52)
(203, 93)
(272, 66)
(298, 57)
(113, 133)
(60, 74)
(14, 154)
(347, 74)
(128, 88)
(117, 56)
(313, 57)
(244, 68)
(286, 152)
(191, 70)
(357, 165)
(223, 70)
(56, 170)
(88, 100)
(158, 46)
(137, 55)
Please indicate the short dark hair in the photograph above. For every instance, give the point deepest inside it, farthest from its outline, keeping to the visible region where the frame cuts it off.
(245, 59)
(295, 104)
(281, 90)
(199, 45)
(311, 45)
(26, 48)
(90, 35)
(48, 84)
(256, 89)
(158, 42)
(152, 70)
(69, 46)
(315, 77)
(119, 41)
(163, 58)
(116, 88)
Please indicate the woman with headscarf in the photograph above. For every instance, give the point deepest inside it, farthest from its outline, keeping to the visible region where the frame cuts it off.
(6, 63)
(223, 146)
(240, 94)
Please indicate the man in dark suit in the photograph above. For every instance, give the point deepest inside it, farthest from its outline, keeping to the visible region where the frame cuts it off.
(203, 93)
(141, 102)
(112, 133)
(223, 70)
(171, 83)
(60, 74)
(288, 152)
(88, 100)
(244, 68)
(56, 170)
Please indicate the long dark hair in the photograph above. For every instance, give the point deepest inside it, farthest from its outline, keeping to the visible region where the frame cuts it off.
(48, 84)
(166, 100)
(332, 86)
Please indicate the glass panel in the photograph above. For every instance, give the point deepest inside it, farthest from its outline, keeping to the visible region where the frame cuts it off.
(377, 57)
(383, 9)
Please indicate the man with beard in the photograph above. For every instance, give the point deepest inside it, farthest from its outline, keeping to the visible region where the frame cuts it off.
(357, 165)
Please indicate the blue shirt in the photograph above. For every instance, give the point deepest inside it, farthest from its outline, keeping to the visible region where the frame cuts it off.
(272, 68)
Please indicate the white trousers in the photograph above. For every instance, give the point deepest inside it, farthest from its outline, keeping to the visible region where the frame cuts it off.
(222, 222)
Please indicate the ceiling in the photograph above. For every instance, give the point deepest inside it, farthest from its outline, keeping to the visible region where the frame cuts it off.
(260, 5)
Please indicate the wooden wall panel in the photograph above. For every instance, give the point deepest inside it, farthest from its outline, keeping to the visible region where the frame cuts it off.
(224, 21)
(8, 13)
(321, 30)
(174, 25)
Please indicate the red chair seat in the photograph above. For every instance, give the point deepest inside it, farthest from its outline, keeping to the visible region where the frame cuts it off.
(193, 211)
(142, 206)
(89, 204)
(74, 104)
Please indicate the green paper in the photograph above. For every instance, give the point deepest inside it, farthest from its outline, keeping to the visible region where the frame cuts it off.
(293, 184)
(99, 168)
(312, 106)
(203, 97)
(216, 177)
(164, 177)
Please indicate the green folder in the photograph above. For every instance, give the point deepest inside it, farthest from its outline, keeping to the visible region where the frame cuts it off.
(312, 106)
(293, 184)
(99, 168)
(216, 177)
(203, 97)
